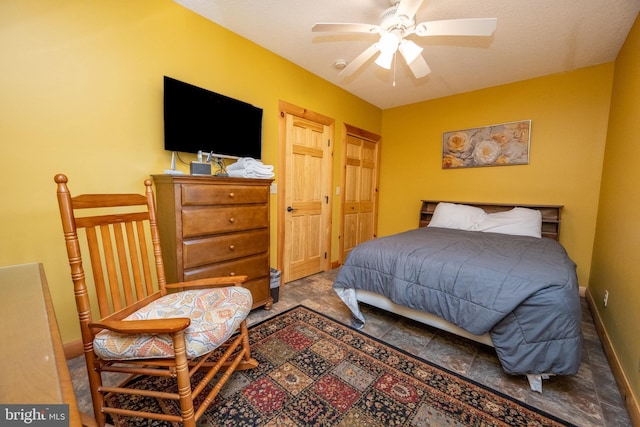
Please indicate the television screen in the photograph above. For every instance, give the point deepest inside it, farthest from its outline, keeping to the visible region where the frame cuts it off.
(196, 119)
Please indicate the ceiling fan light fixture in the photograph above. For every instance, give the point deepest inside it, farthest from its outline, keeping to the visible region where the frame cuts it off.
(389, 43)
(388, 46)
(409, 50)
(397, 22)
(385, 58)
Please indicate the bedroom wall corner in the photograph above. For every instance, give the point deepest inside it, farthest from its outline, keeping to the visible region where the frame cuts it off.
(569, 114)
(615, 268)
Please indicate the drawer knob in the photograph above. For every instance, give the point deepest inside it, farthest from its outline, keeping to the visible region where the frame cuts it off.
(232, 195)
(232, 274)
(232, 247)
(232, 220)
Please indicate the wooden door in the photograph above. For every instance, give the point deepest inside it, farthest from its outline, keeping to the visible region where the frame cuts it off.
(305, 201)
(360, 189)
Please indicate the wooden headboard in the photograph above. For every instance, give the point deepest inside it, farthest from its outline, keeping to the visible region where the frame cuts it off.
(550, 213)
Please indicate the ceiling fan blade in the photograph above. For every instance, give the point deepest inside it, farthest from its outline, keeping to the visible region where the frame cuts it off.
(408, 8)
(419, 67)
(457, 27)
(344, 28)
(360, 60)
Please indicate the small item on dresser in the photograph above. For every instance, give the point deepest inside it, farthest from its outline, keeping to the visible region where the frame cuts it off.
(198, 168)
(247, 167)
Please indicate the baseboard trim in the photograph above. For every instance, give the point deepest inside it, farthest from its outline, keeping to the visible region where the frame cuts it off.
(621, 379)
(73, 349)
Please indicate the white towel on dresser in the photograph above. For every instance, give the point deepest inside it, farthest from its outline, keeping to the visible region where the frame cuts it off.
(247, 167)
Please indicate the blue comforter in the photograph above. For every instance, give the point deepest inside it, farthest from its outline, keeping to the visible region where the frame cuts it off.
(522, 290)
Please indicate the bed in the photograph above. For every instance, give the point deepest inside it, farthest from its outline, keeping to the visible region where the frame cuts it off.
(493, 273)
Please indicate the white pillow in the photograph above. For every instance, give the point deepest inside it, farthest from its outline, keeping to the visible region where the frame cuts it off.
(459, 217)
(517, 221)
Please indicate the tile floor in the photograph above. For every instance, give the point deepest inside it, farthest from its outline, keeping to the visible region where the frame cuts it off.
(587, 399)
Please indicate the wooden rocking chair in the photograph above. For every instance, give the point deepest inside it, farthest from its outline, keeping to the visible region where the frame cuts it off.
(145, 329)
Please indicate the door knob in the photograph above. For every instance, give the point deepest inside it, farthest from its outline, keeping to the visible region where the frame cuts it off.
(290, 209)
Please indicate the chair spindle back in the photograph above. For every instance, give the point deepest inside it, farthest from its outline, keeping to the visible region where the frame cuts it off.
(118, 245)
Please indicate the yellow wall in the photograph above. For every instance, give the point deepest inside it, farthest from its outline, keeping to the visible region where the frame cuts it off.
(81, 93)
(81, 87)
(615, 266)
(568, 115)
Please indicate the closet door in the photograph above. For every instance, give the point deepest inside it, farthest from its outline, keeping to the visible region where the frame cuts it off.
(360, 189)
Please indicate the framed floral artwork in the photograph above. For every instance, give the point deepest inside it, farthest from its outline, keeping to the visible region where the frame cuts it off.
(496, 145)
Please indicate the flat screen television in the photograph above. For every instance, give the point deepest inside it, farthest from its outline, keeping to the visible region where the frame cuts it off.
(197, 119)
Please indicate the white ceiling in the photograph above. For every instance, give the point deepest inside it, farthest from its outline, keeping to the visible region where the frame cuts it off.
(533, 38)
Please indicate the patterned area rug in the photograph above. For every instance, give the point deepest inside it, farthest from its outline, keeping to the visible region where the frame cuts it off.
(315, 371)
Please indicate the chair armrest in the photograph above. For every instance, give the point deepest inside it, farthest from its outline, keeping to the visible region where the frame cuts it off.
(210, 282)
(154, 326)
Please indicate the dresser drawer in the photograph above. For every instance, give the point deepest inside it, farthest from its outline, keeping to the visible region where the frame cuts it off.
(209, 250)
(252, 267)
(201, 195)
(214, 220)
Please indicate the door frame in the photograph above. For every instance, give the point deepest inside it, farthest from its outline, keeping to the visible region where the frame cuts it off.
(285, 108)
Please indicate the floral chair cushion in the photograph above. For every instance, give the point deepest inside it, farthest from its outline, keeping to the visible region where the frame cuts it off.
(215, 315)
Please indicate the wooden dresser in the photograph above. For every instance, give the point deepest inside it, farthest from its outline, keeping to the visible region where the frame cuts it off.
(215, 226)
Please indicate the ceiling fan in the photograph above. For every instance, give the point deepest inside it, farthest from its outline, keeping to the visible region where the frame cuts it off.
(398, 22)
